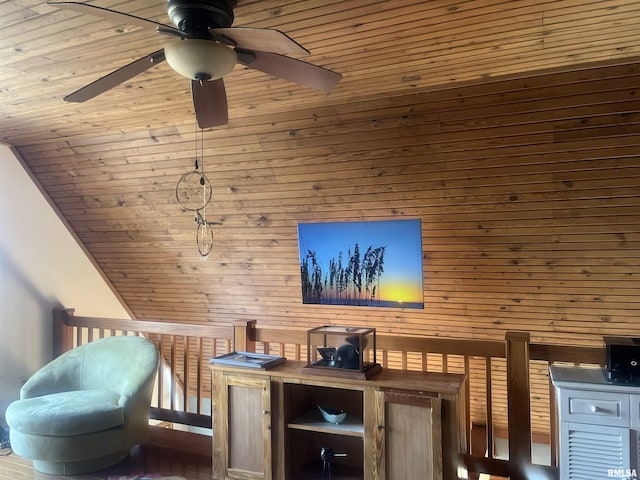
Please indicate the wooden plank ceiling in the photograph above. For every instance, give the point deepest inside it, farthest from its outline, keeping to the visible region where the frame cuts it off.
(111, 164)
(383, 48)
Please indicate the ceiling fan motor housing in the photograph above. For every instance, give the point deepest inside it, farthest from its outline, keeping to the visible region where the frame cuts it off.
(199, 56)
(197, 17)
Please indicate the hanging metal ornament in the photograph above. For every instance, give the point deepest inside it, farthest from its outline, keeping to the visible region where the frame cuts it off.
(204, 235)
(193, 190)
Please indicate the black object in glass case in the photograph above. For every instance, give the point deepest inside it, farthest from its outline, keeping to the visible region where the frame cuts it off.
(342, 351)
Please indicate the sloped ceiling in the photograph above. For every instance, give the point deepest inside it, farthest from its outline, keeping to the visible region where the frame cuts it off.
(111, 164)
(383, 48)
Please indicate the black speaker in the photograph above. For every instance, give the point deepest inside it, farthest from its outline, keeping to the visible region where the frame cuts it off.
(623, 360)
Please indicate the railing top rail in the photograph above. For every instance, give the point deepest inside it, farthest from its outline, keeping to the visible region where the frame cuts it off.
(277, 335)
(565, 353)
(474, 348)
(450, 346)
(152, 326)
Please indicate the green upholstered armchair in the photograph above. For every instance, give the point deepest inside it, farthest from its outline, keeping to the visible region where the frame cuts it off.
(84, 410)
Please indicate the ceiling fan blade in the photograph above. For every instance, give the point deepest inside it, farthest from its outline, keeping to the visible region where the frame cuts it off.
(210, 103)
(291, 69)
(112, 15)
(264, 39)
(116, 77)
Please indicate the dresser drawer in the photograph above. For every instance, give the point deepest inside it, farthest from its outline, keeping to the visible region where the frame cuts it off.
(597, 408)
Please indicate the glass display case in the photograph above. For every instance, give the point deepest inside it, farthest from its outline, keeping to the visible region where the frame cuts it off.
(342, 351)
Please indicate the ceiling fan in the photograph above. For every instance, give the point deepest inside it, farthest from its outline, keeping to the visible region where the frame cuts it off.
(203, 46)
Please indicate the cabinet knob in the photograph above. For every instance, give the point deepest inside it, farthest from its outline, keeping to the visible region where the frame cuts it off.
(595, 408)
(266, 412)
(380, 427)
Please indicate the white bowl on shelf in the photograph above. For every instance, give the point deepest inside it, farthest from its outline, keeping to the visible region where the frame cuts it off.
(332, 415)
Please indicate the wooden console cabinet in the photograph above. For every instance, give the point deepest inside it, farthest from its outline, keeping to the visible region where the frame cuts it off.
(399, 425)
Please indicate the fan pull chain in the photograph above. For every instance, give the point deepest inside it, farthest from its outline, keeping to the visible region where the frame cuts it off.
(202, 181)
(195, 142)
(204, 232)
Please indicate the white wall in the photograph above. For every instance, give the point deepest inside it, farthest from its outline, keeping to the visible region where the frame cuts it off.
(41, 267)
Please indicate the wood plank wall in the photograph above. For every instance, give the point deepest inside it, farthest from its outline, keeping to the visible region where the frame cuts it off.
(527, 189)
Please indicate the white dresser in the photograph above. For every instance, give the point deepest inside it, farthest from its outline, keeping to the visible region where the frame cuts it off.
(598, 425)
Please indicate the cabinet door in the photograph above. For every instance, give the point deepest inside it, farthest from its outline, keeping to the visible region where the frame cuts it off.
(408, 436)
(593, 451)
(241, 427)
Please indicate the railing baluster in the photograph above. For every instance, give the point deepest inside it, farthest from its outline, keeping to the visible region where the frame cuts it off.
(467, 396)
(172, 404)
(552, 423)
(488, 406)
(161, 373)
(199, 374)
(185, 369)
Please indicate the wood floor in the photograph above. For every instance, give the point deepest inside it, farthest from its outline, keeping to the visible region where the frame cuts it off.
(166, 452)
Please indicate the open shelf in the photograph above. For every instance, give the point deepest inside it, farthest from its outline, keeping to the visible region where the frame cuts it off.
(312, 421)
(307, 432)
(313, 471)
(305, 461)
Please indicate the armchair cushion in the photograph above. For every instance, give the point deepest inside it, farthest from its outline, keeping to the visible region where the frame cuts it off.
(67, 413)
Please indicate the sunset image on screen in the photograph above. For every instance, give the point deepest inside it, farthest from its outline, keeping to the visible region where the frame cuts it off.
(362, 263)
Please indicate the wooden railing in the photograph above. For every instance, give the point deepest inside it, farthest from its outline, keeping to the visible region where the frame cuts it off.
(507, 385)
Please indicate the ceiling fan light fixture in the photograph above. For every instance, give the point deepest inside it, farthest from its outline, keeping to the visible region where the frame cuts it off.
(199, 59)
